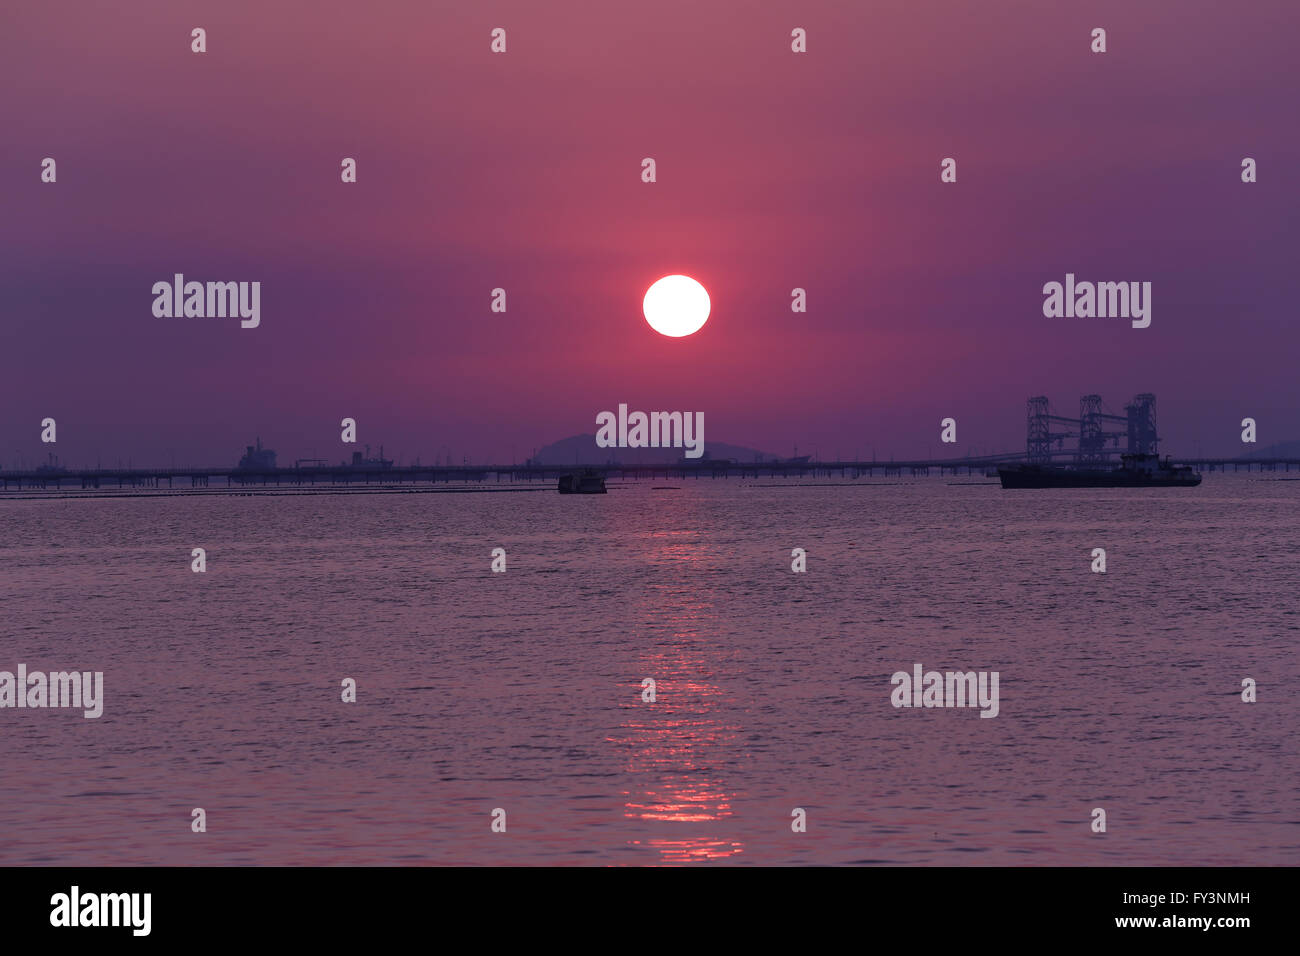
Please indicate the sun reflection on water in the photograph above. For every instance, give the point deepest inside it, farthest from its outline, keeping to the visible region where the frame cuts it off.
(673, 744)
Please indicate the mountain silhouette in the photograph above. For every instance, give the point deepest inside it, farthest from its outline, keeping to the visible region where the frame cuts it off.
(1282, 449)
(583, 450)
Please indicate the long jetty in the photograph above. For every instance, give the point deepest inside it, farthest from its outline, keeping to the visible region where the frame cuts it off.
(343, 474)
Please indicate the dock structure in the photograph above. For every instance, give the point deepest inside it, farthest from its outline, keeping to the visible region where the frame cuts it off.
(1094, 445)
(350, 476)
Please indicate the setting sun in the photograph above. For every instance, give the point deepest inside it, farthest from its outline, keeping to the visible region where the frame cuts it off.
(676, 306)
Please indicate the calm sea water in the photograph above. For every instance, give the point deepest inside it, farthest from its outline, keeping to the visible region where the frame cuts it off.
(522, 690)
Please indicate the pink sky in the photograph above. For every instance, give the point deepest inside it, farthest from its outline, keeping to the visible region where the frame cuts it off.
(522, 171)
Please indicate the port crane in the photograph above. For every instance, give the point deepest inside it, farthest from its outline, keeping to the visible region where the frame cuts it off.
(1139, 420)
(1041, 436)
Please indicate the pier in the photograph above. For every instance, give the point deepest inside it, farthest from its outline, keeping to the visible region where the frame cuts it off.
(350, 475)
(1096, 435)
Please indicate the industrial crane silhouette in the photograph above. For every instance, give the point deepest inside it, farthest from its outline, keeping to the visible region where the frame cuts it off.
(1089, 428)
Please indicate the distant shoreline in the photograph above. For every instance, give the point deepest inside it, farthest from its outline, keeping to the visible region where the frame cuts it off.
(28, 494)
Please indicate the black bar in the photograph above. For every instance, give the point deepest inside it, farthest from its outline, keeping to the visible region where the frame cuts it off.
(962, 907)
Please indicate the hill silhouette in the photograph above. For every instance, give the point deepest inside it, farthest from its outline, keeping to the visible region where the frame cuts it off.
(1282, 449)
(583, 450)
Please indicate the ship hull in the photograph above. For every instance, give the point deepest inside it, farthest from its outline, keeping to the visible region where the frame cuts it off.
(1078, 478)
(581, 485)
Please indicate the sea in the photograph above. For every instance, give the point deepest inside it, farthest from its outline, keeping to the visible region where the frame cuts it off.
(504, 717)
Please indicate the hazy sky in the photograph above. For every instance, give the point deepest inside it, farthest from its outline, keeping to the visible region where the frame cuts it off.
(522, 171)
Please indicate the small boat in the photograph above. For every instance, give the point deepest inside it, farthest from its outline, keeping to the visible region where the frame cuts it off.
(587, 483)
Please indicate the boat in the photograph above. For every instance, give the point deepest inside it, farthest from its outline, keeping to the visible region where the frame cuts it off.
(51, 467)
(1133, 471)
(366, 462)
(586, 483)
(257, 458)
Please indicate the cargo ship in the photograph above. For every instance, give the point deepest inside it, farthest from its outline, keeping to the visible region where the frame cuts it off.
(257, 458)
(51, 467)
(1134, 471)
(366, 462)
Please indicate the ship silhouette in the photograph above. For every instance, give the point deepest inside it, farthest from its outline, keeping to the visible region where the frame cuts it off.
(257, 458)
(1133, 471)
(358, 461)
(51, 467)
(587, 483)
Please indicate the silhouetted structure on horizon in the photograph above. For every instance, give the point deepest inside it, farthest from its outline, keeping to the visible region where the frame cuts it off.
(257, 458)
(1139, 419)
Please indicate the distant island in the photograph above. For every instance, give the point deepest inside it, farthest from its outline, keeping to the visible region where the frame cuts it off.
(1284, 449)
(583, 450)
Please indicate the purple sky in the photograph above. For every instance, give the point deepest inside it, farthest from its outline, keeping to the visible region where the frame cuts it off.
(522, 171)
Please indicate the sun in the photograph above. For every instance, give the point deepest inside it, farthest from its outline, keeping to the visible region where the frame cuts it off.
(676, 306)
